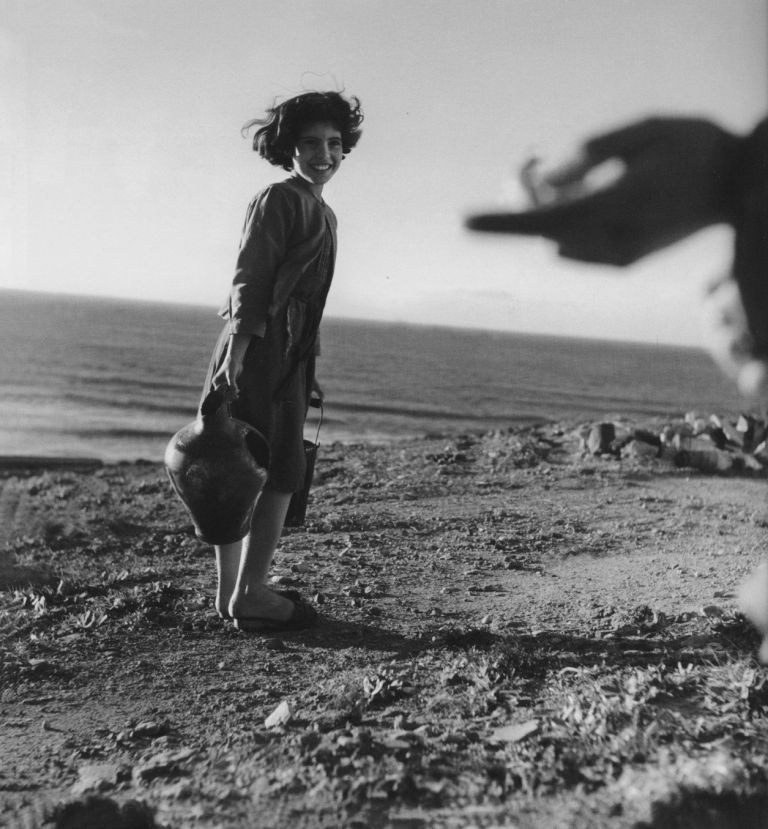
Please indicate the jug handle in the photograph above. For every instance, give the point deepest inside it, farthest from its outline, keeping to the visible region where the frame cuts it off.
(258, 447)
(215, 399)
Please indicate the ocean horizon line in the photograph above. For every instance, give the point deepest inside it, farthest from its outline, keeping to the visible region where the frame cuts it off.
(355, 320)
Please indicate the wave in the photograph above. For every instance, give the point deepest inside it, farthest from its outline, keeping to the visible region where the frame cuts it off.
(138, 383)
(401, 411)
(132, 433)
(129, 404)
(118, 378)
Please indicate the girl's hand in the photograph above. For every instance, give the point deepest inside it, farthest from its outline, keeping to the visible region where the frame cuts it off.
(317, 391)
(228, 374)
(232, 366)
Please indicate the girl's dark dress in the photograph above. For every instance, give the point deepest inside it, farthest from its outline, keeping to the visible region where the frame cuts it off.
(284, 271)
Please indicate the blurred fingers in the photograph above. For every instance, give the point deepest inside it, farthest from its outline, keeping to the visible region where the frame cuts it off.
(752, 381)
(568, 172)
(550, 221)
(628, 140)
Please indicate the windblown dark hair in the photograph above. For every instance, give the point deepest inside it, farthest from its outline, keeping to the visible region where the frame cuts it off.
(276, 138)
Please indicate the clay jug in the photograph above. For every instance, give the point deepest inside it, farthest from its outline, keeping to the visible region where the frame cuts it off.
(218, 467)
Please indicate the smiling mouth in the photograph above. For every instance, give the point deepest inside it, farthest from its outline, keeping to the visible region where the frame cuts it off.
(321, 168)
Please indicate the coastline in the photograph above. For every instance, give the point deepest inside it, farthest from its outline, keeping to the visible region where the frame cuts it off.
(94, 386)
(35, 462)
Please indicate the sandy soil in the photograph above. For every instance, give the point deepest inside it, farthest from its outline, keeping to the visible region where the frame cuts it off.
(512, 633)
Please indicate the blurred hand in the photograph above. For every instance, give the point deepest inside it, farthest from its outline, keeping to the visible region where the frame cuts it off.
(730, 342)
(675, 181)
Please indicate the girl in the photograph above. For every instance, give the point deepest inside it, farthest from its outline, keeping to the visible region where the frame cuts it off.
(266, 353)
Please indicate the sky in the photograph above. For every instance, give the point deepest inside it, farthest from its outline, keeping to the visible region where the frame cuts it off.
(125, 172)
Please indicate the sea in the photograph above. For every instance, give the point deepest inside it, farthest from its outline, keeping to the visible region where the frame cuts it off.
(115, 379)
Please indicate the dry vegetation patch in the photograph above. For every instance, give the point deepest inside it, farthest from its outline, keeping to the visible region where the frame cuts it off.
(513, 633)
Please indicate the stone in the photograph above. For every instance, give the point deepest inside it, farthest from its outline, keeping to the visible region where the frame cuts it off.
(149, 729)
(600, 438)
(709, 460)
(96, 777)
(641, 449)
(163, 764)
(280, 716)
(515, 733)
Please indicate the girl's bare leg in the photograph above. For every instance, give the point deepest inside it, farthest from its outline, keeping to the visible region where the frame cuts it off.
(227, 566)
(250, 595)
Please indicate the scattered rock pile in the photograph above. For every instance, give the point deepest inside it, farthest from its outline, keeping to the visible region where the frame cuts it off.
(707, 443)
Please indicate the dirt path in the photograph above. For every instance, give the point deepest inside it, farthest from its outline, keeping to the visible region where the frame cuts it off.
(511, 635)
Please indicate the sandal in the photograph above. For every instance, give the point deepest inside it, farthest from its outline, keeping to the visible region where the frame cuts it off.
(302, 616)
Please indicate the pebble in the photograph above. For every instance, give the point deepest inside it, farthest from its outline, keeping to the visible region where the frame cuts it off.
(95, 776)
(150, 729)
(274, 643)
(280, 716)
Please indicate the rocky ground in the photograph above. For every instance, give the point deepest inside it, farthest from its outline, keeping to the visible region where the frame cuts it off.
(514, 632)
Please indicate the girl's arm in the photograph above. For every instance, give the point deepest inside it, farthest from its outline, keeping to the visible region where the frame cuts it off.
(232, 366)
(263, 249)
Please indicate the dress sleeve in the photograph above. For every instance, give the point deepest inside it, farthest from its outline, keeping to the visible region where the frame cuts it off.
(262, 250)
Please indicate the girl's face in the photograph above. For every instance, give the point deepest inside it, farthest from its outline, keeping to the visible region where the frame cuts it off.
(318, 153)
